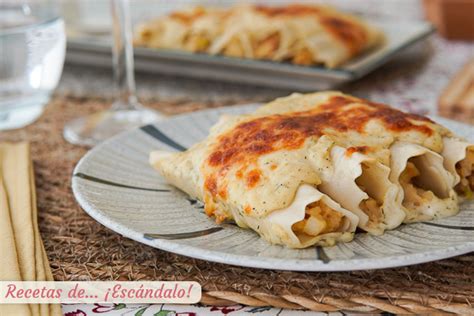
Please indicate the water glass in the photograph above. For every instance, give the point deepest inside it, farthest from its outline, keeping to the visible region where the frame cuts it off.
(32, 49)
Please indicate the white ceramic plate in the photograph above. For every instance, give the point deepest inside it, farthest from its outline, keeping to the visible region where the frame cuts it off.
(117, 187)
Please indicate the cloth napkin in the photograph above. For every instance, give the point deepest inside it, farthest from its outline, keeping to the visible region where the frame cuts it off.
(23, 257)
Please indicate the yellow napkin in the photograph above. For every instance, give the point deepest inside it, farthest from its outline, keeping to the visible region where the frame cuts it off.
(23, 256)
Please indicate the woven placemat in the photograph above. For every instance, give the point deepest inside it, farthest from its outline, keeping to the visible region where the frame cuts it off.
(79, 248)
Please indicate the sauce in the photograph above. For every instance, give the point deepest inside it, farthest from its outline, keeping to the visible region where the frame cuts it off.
(351, 34)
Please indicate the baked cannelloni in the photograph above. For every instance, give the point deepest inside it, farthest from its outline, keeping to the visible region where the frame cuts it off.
(300, 34)
(308, 169)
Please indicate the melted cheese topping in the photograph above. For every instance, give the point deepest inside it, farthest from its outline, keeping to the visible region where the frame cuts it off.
(465, 169)
(245, 143)
(347, 30)
(319, 219)
(189, 16)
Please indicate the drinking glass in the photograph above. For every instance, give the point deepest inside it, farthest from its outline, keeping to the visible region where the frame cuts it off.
(126, 111)
(32, 48)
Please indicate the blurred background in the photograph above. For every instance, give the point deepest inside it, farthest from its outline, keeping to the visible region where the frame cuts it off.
(413, 79)
(422, 68)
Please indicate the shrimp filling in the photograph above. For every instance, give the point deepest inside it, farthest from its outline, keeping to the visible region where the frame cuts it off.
(197, 43)
(465, 169)
(234, 48)
(319, 219)
(417, 191)
(303, 57)
(372, 205)
(267, 47)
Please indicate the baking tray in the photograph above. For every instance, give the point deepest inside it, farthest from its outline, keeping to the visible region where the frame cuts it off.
(96, 51)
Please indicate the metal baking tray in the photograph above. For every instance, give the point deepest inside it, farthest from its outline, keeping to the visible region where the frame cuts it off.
(96, 51)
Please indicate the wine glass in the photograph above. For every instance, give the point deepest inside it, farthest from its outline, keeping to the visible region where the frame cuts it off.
(126, 111)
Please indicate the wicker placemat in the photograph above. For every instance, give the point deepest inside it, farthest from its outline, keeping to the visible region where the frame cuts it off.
(79, 248)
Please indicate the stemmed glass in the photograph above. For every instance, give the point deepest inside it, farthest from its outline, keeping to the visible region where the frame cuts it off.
(126, 111)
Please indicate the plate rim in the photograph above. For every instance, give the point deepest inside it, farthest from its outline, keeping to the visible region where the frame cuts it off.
(308, 265)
